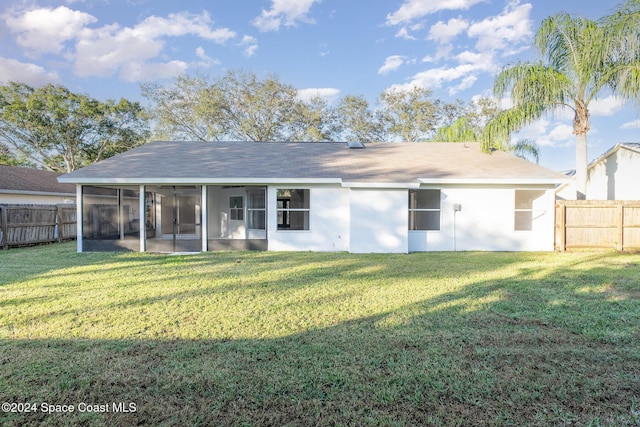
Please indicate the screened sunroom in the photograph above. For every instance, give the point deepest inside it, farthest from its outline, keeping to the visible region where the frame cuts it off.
(161, 218)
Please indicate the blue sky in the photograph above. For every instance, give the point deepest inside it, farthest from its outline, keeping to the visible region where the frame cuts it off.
(106, 48)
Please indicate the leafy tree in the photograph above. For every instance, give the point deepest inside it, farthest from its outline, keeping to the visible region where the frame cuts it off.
(185, 110)
(357, 120)
(6, 157)
(471, 126)
(410, 115)
(314, 120)
(253, 109)
(238, 106)
(461, 130)
(61, 131)
(582, 59)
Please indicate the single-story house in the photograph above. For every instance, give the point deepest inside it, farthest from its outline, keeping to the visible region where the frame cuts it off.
(612, 176)
(378, 197)
(20, 185)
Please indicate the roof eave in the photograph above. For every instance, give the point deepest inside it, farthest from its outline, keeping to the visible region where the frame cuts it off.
(198, 181)
(381, 185)
(495, 181)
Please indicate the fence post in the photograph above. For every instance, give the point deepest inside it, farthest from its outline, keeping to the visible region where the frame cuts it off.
(620, 246)
(5, 229)
(563, 227)
(59, 225)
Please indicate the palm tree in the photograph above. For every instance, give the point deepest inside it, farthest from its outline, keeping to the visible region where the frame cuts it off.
(470, 127)
(583, 59)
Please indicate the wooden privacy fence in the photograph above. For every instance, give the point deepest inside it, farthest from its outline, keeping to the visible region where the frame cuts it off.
(22, 225)
(597, 224)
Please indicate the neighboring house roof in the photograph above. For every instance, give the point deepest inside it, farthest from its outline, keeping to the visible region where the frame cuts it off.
(631, 146)
(19, 180)
(264, 162)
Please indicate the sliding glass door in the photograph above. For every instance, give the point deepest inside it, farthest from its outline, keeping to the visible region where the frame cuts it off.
(176, 215)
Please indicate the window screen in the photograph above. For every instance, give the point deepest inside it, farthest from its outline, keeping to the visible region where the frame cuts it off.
(424, 209)
(293, 209)
(524, 212)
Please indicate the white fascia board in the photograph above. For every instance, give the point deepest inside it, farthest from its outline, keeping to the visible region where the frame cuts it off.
(200, 181)
(399, 185)
(521, 181)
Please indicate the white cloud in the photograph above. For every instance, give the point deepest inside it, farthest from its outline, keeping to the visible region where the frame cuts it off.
(435, 77)
(632, 125)
(324, 50)
(499, 35)
(250, 45)
(284, 12)
(104, 51)
(508, 30)
(606, 106)
(443, 51)
(415, 9)
(109, 49)
(132, 52)
(31, 74)
(45, 30)
(444, 32)
(391, 63)
(481, 61)
(470, 65)
(137, 71)
(180, 24)
(562, 132)
(205, 60)
(548, 134)
(403, 33)
(466, 83)
(328, 93)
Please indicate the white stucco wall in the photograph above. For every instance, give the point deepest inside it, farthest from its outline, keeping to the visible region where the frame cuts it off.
(486, 222)
(376, 220)
(615, 177)
(328, 221)
(379, 220)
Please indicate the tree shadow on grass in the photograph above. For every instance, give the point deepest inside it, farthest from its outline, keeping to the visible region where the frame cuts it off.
(543, 348)
(113, 281)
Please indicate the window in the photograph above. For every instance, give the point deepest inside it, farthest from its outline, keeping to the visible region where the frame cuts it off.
(523, 218)
(256, 209)
(293, 209)
(236, 208)
(424, 209)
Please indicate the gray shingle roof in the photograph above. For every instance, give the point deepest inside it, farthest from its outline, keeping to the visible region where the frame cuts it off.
(209, 162)
(19, 179)
(632, 145)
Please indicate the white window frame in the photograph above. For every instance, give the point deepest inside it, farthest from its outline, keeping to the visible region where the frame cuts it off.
(530, 209)
(251, 210)
(289, 210)
(236, 213)
(439, 209)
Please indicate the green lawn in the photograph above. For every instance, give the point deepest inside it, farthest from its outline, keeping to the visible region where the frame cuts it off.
(320, 338)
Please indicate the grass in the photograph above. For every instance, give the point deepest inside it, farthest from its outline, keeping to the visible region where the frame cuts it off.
(321, 338)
